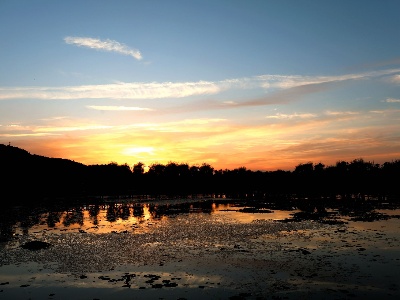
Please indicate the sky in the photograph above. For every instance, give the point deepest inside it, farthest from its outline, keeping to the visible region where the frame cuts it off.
(262, 84)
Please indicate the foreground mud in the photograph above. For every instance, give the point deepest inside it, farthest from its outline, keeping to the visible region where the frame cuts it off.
(197, 255)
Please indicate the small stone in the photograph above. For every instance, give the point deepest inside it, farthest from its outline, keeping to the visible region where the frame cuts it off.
(171, 284)
(35, 245)
(149, 281)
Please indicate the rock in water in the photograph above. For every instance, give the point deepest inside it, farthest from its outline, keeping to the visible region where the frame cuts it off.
(36, 245)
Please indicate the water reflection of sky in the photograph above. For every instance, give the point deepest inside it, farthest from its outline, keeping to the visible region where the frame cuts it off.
(140, 217)
(203, 243)
(94, 219)
(247, 217)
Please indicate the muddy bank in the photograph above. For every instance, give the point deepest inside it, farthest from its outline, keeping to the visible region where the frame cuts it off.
(219, 255)
(202, 250)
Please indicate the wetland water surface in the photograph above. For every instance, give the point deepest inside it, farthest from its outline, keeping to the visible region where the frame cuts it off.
(186, 249)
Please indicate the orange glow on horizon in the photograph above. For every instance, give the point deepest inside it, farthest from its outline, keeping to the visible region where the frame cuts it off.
(269, 145)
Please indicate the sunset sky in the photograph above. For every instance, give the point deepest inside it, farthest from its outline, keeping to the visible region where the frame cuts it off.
(262, 84)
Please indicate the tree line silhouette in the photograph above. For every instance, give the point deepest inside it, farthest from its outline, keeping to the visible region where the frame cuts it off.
(27, 177)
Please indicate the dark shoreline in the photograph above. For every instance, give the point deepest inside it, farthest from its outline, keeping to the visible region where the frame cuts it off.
(32, 178)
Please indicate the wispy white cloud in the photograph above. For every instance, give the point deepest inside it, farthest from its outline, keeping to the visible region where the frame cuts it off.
(118, 108)
(230, 102)
(54, 118)
(291, 116)
(341, 113)
(395, 79)
(200, 125)
(40, 134)
(391, 100)
(291, 81)
(186, 125)
(385, 111)
(105, 45)
(197, 121)
(70, 128)
(291, 87)
(321, 116)
(121, 90)
(29, 129)
(282, 96)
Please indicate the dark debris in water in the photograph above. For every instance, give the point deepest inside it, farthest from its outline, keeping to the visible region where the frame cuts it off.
(370, 217)
(154, 281)
(333, 218)
(171, 284)
(323, 217)
(35, 245)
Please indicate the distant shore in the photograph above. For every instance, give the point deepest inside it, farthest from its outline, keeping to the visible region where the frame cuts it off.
(32, 178)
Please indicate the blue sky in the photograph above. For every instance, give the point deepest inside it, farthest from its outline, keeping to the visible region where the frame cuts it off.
(262, 84)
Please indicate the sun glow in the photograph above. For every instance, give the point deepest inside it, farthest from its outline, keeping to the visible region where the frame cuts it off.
(271, 144)
(138, 150)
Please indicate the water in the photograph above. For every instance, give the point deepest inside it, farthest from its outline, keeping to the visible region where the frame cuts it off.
(191, 249)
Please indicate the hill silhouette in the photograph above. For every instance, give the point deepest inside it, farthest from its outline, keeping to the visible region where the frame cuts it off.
(28, 177)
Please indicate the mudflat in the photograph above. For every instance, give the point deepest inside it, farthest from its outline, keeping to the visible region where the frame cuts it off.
(221, 251)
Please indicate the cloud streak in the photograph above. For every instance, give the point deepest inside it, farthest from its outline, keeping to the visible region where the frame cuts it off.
(121, 90)
(392, 100)
(395, 79)
(199, 125)
(118, 108)
(289, 87)
(104, 45)
(341, 113)
(291, 116)
(290, 81)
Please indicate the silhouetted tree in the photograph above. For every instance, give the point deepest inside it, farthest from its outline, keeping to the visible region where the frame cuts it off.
(138, 168)
(32, 178)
